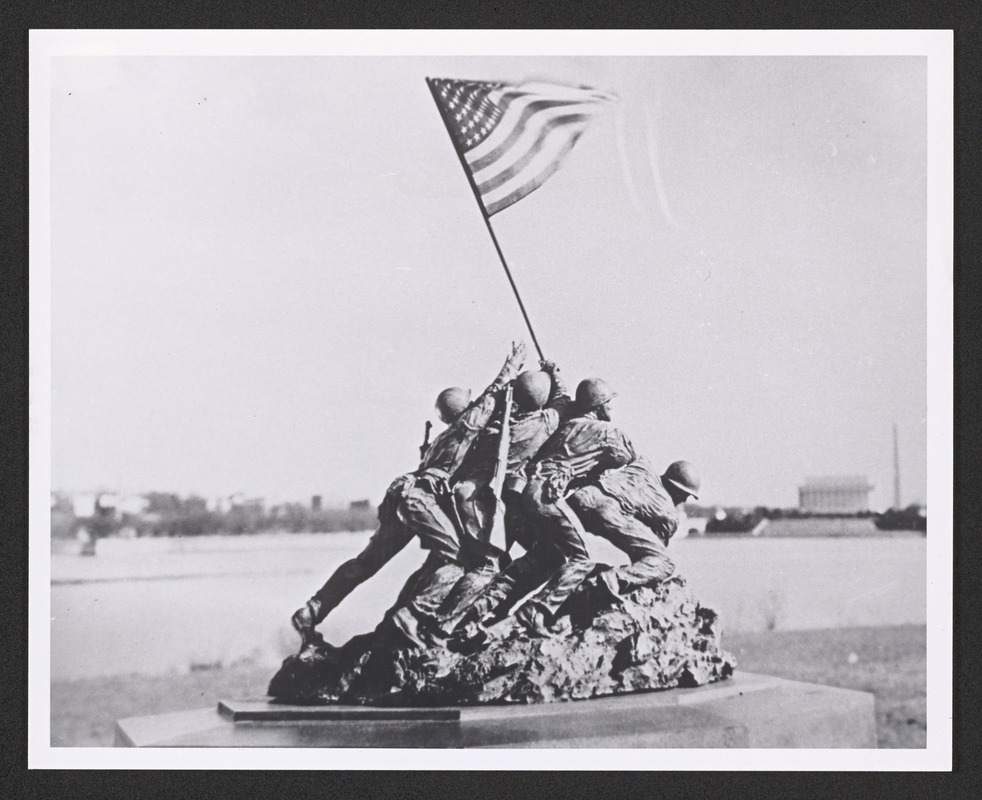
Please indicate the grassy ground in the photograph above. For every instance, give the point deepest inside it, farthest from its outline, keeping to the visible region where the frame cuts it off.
(888, 661)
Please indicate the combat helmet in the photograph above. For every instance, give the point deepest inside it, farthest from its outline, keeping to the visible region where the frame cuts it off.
(682, 475)
(450, 403)
(532, 390)
(593, 392)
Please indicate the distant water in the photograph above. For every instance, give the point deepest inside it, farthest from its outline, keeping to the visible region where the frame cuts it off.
(155, 606)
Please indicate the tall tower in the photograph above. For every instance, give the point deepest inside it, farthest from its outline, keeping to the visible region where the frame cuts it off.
(896, 469)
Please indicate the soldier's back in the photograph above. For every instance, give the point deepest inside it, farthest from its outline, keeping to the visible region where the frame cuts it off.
(640, 491)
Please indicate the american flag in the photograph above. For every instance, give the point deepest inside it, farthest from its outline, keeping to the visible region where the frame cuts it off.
(512, 138)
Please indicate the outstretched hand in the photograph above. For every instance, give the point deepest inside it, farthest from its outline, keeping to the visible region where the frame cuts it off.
(517, 356)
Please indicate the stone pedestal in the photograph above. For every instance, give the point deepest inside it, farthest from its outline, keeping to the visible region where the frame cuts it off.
(745, 711)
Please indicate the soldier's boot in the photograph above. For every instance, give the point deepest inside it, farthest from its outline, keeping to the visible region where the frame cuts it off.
(534, 618)
(461, 598)
(468, 637)
(609, 587)
(544, 608)
(470, 631)
(409, 630)
(305, 620)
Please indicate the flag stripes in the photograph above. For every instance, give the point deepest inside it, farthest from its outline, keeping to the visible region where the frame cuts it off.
(513, 138)
(517, 158)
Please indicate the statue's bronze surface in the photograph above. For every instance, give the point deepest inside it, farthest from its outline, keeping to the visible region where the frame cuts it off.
(527, 458)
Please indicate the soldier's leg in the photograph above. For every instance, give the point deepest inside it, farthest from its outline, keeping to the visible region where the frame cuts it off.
(566, 538)
(512, 584)
(550, 598)
(547, 550)
(650, 563)
(433, 588)
(648, 570)
(488, 564)
(465, 592)
(430, 588)
(424, 588)
(605, 516)
(554, 520)
(555, 535)
(422, 514)
(412, 586)
(562, 529)
(474, 503)
(390, 537)
(518, 528)
(400, 627)
(482, 560)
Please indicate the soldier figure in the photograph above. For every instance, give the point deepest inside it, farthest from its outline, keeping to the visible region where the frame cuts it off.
(637, 511)
(574, 456)
(541, 403)
(417, 504)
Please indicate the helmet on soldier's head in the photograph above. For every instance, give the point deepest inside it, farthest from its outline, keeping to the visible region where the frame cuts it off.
(450, 403)
(532, 390)
(682, 475)
(593, 392)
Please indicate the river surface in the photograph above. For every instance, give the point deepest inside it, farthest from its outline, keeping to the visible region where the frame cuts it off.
(157, 606)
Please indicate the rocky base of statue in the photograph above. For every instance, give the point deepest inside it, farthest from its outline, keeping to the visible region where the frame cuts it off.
(654, 638)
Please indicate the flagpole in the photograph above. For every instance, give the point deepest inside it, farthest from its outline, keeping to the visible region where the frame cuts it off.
(484, 214)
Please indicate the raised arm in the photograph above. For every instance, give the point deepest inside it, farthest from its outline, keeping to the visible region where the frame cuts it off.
(510, 369)
(479, 412)
(559, 398)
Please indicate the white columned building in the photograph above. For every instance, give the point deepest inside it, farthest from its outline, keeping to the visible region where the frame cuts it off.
(835, 494)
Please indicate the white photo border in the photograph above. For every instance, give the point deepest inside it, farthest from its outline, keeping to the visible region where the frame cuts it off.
(936, 46)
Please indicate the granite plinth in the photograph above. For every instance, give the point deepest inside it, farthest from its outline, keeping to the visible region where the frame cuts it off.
(745, 711)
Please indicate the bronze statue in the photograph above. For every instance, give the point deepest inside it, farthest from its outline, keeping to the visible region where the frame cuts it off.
(418, 504)
(575, 455)
(541, 404)
(550, 469)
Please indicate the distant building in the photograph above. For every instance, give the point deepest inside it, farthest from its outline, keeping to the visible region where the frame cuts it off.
(241, 502)
(316, 503)
(359, 505)
(83, 504)
(218, 504)
(691, 526)
(134, 504)
(847, 494)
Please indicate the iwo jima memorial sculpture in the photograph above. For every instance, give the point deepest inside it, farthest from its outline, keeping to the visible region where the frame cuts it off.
(481, 639)
(527, 458)
(522, 463)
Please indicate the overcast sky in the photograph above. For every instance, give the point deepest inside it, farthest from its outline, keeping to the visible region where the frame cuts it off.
(265, 269)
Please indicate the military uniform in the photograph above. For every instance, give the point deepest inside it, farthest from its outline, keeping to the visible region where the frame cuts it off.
(572, 457)
(475, 500)
(420, 504)
(631, 508)
(527, 433)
